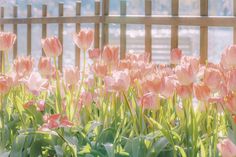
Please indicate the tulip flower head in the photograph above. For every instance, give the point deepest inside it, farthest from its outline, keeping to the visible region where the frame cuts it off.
(52, 46)
(7, 40)
(84, 39)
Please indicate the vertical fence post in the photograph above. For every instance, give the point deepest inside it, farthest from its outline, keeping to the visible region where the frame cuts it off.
(77, 29)
(203, 33)
(174, 28)
(148, 29)
(97, 26)
(2, 29)
(234, 14)
(60, 35)
(44, 26)
(29, 14)
(15, 31)
(105, 26)
(123, 30)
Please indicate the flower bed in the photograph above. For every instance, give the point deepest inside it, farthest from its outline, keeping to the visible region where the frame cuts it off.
(114, 107)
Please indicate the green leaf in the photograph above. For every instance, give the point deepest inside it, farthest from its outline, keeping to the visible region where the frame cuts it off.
(158, 147)
(181, 151)
(18, 145)
(58, 150)
(36, 149)
(110, 150)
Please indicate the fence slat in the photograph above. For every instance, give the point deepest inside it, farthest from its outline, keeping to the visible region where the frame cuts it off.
(123, 4)
(97, 26)
(148, 29)
(203, 33)
(234, 14)
(15, 31)
(60, 35)
(2, 29)
(29, 14)
(105, 26)
(77, 27)
(44, 26)
(174, 28)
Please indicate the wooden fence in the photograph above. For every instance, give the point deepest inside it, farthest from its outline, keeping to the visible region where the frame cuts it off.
(103, 19)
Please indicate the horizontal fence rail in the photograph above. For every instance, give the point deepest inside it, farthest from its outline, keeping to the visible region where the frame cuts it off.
(101, 20)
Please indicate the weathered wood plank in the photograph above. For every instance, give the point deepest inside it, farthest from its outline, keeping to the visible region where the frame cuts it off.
(60, 35)
(97, 26)
(105, 26)
(77, 29)
(15, 31)
(44, 26)
(174, 28)
(123, 4)
(203, 33)
(148, 29)
(29, 14)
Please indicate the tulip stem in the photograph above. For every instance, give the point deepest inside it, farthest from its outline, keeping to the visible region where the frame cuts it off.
(58, 96)
(81, 85)
(3, 62)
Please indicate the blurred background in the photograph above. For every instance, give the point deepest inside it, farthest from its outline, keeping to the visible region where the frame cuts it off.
(218, 37)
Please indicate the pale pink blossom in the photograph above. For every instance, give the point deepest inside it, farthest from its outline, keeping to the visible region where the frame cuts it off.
(23, 66)
(227, 148)
(7, 40)
(52, 46)
(84, 39)
(175, 56)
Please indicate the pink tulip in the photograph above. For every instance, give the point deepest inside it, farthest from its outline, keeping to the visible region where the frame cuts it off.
(231, 80)
(5, 84)
(228, 57)
(35, 83)
(193, 61)
(110, 54)
(119, 81)
(201, 91)
(52, 46)
(84, 39)
(227, 148)
(143, 57)
(184, 73)
(149, 101)
(55, 121)
(23, 66)
(86, 98)
(230, 103)
(7, 40)
(212, 78)
(72, 75)
(94, 54)
(168, 87)
(100, 69)
(45, 67)
(41, 105)
(152, 83)
(184, 91)
(175, 56)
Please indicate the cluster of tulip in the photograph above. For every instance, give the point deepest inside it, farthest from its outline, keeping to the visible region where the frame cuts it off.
(116, 107)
